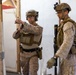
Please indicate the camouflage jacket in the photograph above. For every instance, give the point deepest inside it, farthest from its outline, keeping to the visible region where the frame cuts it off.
(30, 35)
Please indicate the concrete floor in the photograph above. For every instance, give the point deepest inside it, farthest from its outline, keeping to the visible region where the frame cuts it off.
(12, 73)
(18, 74)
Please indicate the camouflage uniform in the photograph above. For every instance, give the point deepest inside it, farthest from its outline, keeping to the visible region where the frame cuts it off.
(30, 37)
(65, 40)
(68, 61)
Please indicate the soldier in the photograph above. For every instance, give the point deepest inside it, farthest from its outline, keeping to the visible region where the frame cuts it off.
(30, 35)
(66, 41)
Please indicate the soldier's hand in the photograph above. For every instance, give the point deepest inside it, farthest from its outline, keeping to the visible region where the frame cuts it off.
(18, 21)
(51, 62)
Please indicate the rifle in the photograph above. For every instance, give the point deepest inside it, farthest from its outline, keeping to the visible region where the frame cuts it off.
(55, 46)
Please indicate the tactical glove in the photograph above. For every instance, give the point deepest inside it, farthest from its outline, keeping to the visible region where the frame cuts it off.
(51, 62)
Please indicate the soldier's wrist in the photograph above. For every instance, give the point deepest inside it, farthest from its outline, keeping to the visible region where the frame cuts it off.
(18, 29)
(55, 57)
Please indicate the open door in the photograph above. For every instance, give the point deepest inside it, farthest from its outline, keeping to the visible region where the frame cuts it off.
(2, 60)
(11, 46)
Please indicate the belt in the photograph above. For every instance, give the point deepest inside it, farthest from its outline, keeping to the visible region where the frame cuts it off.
(30, 50)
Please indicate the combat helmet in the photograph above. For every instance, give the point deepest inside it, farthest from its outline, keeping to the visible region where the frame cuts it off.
(62, 6)
(32, 13)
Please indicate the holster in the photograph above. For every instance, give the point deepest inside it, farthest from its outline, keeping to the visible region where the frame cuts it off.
(39, 53)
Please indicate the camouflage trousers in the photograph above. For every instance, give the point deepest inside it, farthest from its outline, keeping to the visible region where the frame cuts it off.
(67, 69)
(29, 63)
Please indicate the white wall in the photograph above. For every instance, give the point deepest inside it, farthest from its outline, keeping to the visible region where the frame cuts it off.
(47, 19)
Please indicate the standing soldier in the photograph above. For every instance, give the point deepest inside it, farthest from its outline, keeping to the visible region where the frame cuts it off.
(66, 41)
(30, 35)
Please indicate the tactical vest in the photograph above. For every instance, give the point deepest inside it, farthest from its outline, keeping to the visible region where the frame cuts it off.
(29, 39)
(60, 35)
